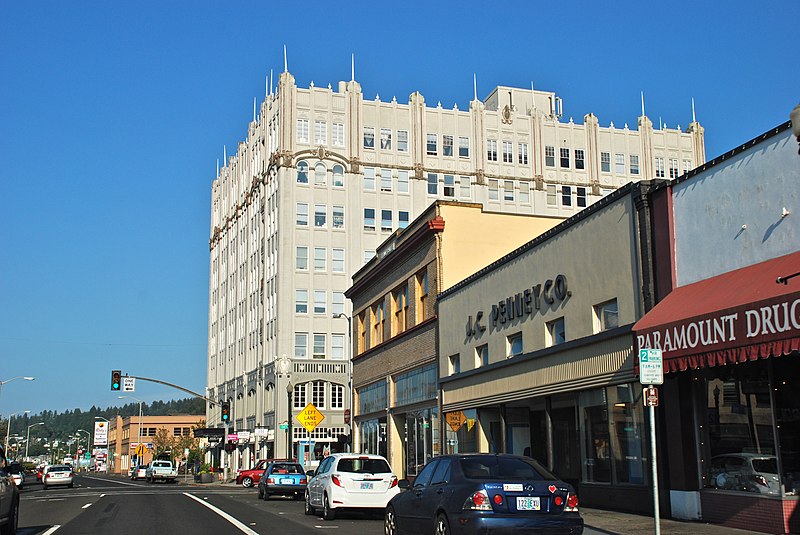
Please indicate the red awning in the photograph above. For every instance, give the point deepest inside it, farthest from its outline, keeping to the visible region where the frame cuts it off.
(734, 317)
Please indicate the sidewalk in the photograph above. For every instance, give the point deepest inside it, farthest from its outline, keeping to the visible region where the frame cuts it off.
(613, 523)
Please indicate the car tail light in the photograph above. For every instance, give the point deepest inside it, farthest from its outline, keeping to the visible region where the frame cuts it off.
(336, 481)
(497, 499)
(393, 482)
(270, 481)
(303, 481)
(572, 503)
(559, 501)
(478, 501)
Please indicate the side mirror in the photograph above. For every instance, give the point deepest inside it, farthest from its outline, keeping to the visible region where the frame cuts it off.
(404, 484)
(310, 473)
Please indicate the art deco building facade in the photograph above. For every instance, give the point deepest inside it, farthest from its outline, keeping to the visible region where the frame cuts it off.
(324, 176)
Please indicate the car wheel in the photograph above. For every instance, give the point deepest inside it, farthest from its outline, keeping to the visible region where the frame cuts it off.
(247, 482)
(10, 528)
(309, 510)
(442, 525)
(389, 521)
(327, 512)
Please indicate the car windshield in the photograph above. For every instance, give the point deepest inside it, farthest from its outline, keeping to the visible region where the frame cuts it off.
(286, 468)
(505, 468)
(768, 465)
(363, 465)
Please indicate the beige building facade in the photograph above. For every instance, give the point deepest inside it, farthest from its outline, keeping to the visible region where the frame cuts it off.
(124, 434)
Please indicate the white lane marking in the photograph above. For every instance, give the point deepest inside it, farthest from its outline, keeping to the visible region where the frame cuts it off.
(87, 505)
(223, 514)
(52, 530)
(327, 527)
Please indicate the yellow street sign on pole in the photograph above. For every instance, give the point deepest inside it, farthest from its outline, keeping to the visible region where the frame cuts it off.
(310, 417)
(455, 420)
(140, 449)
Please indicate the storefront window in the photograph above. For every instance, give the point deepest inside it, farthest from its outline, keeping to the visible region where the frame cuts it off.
(372, 436)
(465, 440)
(597, 447)
(416, 385)
(422, 439)
(625, 406)
(372, 398)
(786, 380)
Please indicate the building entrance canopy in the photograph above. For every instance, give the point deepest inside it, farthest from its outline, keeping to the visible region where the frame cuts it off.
(738, 316)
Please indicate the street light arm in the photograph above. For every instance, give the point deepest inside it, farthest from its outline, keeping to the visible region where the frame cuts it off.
(175, 386)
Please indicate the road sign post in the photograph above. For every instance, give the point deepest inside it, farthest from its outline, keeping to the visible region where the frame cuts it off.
(651, 372)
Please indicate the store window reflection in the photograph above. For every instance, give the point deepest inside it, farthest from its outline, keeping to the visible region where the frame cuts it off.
(465, 440)
(373, 436)
(422, 439)
(786, 382)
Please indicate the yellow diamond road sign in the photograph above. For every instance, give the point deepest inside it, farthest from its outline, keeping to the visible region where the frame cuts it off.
(310, 417)
(455, 420)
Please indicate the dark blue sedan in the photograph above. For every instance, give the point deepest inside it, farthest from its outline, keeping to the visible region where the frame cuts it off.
(484, 493)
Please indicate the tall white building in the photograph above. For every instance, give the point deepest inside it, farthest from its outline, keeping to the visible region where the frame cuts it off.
(324, 176)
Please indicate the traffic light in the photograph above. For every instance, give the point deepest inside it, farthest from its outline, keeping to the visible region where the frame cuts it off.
(116, 380)
(226, 412)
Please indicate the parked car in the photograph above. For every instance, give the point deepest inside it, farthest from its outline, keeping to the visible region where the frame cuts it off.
(751, 472)
(251, 476)
(58, 474)
(283, 478)
(350, 481)
(9, 497)
(140, 472)
(483, 493)
(160, 470)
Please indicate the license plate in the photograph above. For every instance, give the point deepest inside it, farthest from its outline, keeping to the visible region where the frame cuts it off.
(288, 481)
(526, 503)
(366, 485)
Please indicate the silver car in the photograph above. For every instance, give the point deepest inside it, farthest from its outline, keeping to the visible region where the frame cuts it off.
(58, 474)
(750, 472)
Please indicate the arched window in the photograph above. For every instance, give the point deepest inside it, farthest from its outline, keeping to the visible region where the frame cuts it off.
(319, 174)
(338, 175)
(302, 172)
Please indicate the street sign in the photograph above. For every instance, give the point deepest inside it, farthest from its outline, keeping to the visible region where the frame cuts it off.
(347, 416)
(129, 384)
(140, 450)
(455, 420)
(283, 426)
(310, 417)
(651, 397)
(100, 434)
(651, 367)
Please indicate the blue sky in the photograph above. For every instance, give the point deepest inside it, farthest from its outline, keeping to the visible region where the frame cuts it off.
(113, 115)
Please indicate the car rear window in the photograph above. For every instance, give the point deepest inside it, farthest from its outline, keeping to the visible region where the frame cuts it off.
(162, 464)
(769, 466)
(287, 468)
(505, 468)
(59, 469)
(363, 466)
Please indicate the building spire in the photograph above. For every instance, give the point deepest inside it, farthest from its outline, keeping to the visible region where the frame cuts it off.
(285, 63)
(352, 67)
(217, 167)
(533, 96)
(266, 86)
(254, 109)
(270, 82)
(643, 104)
(475, 86)
(224, 155)
(694, 117)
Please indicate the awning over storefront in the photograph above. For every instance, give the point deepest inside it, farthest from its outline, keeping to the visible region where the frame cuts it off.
(735, 317)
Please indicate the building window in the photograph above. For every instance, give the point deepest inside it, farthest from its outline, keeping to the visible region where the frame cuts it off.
(494, 189)
(606, 316)
(522, 153)
(605, 162)
(402, 141)
(551, 195)
(386, 180)
(422, 295)
(482, 356)
(320, 215)
(550, 156)
(416, 385)
(433, 184)
(301, 301)
(337, 302)
(455, 364)
(580, 197)
(320, 132)
(555, 332)
(369, 218)
(386, 138)
(319, 346)
(508, 190)
(361, 329)
(620, 164)
(378, 319)
(301, 258)
(320, 301)
(369, 254)
(687, 166)
(508, 152)
(400, 309)
(564, 161)
(386, 220)
(402, 219)
(302, 172)
(566, 195)
(338, 134)
(302, 131)
(491, 150)
(337, 260)
(580, 162)
(659, 167)
(463, 147)
(338, 176)
(302, 214)
(524, 192)
(301, 345)
(369, 178)
(320, 259)
(299, 398)
(634, 164)
(337, 396)
(447, 145)
(431, 147)
(337, 346)
(369, 137)
(338, 217)
(465, 190)
(320, 174)
(402, 181)
(449, 186)
(514, 345)
(673, 168)
(318, 394)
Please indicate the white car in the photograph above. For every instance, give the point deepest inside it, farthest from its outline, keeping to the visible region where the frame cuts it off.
(350, 481)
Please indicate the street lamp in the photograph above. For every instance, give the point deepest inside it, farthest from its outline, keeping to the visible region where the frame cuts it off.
(283, 366)
(348, 404)
(88, 439)
(13, 379)
(27, 440)
(139, 432)
(8, 429)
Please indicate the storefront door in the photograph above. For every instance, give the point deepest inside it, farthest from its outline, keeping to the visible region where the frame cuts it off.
(566, 440)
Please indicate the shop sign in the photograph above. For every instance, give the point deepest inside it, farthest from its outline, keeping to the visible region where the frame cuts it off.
(244, 436)
(100, 434)
(455, 420)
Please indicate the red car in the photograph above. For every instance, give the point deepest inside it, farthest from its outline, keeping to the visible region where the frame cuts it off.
(251, 476)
